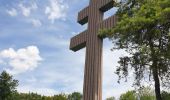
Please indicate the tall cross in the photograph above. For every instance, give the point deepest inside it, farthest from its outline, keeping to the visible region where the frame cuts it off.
(93, 15)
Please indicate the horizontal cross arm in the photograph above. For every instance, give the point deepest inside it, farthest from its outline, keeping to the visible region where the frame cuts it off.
(83, 16)
(108, 23)
(79, 41)
(105, 5)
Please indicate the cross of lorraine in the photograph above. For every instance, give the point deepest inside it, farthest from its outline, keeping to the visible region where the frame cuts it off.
(93, 15)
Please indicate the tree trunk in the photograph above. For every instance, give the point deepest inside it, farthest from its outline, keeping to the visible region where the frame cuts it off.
(155, 71)
(157, 84)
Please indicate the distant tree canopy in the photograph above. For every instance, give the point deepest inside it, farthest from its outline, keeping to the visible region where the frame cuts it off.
(143, 30)
(35, 96)
(111, 98)
(145, 93)
(75, 96)
(130, 95)
(60, 97)
(8, 91)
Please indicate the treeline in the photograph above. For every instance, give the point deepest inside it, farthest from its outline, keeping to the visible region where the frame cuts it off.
(8, 92)
(145, 93)
(35, 96)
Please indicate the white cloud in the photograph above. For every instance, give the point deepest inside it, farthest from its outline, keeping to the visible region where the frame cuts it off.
(56, 10)
(26, 11)
(22, 60)
(12, 12)
(36, 22)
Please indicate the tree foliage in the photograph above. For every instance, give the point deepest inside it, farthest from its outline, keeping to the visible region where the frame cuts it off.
(7, 86)
(60, 97)
(165, 95)
(35, 96)
(146, 93)
(111, 98)
(130, 95)
(75, 96)
(8, 91)
(143, 30)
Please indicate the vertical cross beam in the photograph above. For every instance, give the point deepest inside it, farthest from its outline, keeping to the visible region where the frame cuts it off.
(93, 14)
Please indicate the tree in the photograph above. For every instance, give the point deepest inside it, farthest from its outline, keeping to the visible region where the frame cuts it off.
(7, 85)
(146, 93)
(111, 98)
(130, 95)
(165, 95)
(60, 97)
(75, 96)
(143, 30)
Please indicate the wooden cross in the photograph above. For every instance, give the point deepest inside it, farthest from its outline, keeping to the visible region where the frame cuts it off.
(93, 14)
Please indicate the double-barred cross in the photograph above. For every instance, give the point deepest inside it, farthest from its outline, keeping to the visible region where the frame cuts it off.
(93, 15)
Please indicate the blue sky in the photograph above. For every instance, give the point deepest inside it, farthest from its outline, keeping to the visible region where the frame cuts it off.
(34, 47)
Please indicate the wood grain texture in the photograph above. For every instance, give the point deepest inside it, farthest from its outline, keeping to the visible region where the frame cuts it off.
(93, 15)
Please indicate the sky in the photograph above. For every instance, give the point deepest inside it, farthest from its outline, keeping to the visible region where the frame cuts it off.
(34, 48)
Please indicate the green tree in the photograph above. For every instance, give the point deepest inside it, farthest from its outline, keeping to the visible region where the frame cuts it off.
(130, 95)
(165, 95)
(143, 30)
(111, 98)
(146, 93)
(75, 96)
(7, 86)
(60, 97)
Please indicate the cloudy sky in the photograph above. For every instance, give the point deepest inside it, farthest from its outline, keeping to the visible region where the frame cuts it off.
(34, 47)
